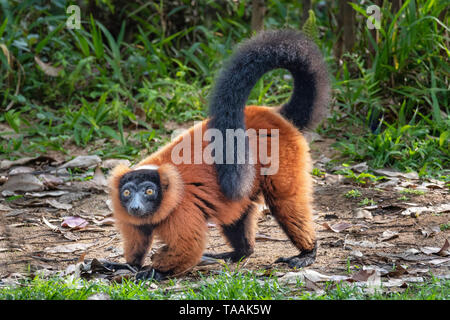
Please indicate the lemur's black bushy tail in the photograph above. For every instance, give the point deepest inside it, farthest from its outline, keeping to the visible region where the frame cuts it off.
(286, 49)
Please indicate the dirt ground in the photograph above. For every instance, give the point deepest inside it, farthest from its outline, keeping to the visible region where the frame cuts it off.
(380, 236)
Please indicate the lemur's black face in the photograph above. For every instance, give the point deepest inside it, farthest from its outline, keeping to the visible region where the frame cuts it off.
(140, 192)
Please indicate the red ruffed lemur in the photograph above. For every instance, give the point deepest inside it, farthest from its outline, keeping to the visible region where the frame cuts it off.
(175, 200)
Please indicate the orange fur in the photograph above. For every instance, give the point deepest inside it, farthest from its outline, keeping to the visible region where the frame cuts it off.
(191, 195)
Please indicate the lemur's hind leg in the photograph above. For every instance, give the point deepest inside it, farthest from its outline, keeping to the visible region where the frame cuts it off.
(240, 235)
(293, 211)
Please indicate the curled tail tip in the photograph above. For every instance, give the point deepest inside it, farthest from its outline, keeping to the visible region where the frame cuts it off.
(286, 49)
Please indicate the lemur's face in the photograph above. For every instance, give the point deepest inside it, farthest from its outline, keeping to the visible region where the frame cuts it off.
(140, 192)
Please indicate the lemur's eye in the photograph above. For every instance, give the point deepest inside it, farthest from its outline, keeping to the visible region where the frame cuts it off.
(126, 193)
(149, 192)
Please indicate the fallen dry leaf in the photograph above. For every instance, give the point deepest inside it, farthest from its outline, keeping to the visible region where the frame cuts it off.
(412, 251)
(363, 275)
(312, 286)
(99, 178)
(105, 222)
(109, 204)
(402, 283)
(48, 224)
(393, 173)
(363, 213)
(334, 178)
(6, 164)
(439, 251)
(4, 208)
(19, 170)
(338, 227)
(70, 236)
(50, 180)
(322, 159)
(82, 162)
(68, 248)
(42, 194)
(98, 182)
(311, 275)
(388, 235)
(438, 261)
(24, 182)
(58, 205)
(392, 182)
(367, 244)
(74, 223)
(399, 270)
(430, 231)
(47, 68)
(407, 256)
(444, 250)
(415, 211)
(356, 254)
(382, 271)
(425, 186)
(371, 280)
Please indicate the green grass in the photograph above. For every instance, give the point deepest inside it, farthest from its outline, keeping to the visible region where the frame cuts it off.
(366, 202)
(225, 285)
(433, 289)
(412, 192)
(236, 285)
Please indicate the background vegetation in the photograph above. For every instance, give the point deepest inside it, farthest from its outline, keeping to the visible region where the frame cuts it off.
(118, 86)
(137, 65)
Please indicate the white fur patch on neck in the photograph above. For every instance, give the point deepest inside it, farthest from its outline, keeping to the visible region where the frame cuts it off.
(147, 167)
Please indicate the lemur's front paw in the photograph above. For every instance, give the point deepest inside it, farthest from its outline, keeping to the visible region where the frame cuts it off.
(114, 266)
(149, 273)
(227, 256)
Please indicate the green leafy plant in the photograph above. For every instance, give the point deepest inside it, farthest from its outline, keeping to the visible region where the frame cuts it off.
(318, 173)
(354, 193)
(396, 92)
(361, 178)
(412, 192)
(366, 202)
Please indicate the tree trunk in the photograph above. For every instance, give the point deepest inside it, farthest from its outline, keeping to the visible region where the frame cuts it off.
(306, 8)
(349, 26)
(346, 28)
(258, 11)
(396, 5)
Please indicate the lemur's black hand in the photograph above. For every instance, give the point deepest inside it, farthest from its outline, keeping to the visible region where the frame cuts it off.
(149, 273)
(304, 259)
